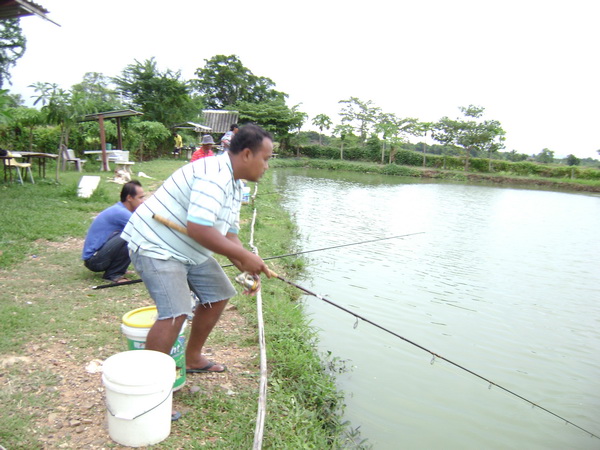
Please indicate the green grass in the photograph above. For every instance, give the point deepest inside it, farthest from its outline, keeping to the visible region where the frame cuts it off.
(52, 211)
(46, 303)
(498, 178)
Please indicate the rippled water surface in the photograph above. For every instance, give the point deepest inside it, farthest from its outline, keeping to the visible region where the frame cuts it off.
(504, 282)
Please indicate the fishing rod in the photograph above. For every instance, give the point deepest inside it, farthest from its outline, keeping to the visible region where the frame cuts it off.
(246, 280)
(433, 354)
(337, 246)
(183, 230)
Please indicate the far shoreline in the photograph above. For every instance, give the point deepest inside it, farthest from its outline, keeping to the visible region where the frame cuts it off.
(499, 180)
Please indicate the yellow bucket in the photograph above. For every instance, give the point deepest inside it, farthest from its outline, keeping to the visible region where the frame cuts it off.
(136, 325)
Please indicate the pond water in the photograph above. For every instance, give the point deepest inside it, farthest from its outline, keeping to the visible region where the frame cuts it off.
(501, 281)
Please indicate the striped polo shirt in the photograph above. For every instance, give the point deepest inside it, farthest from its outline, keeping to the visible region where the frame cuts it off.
(202, 192)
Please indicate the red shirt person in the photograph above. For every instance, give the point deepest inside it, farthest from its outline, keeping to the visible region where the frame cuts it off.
(205, 149)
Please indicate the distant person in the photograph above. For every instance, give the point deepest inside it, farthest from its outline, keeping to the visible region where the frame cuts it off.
(227, 137)
(104, 250)
(178, 145)
(205, 149)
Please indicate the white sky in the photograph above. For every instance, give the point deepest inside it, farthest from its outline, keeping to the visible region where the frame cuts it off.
(533, 64)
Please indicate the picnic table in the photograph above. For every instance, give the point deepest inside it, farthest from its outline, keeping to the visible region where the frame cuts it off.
(27, 156)
(41, 159)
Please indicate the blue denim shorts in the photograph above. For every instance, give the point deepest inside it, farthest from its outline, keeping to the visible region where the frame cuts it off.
(169, 283)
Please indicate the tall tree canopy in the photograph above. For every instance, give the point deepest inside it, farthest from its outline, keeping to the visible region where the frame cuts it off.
(470, 133)
(162, 96)
(97, 93)
(274, 116)
(323, 122)
(224, 82)
(361, 115)
(12, 47)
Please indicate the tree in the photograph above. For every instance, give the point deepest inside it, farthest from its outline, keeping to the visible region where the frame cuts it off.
(359, 114)
(395, 130)
(322, 121)
(546, 156)
(12, 46)
(162, 96)
(224, 82)
(573, 160)
(470, 134)
(96, 92)
(6, 104)
(27, 118)
(145, 134)
(62, 108)
(421, 129)
(515, 157)
(343, 130)
(274, 116)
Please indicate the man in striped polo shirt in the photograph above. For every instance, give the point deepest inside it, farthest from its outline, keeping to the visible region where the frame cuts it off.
(205, 197)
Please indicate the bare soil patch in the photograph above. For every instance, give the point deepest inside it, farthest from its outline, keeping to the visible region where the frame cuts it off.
(76, 417)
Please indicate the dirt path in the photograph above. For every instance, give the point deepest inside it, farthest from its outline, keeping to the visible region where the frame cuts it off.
(74, 417)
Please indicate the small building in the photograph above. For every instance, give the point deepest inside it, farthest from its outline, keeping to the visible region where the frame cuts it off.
(218, 120)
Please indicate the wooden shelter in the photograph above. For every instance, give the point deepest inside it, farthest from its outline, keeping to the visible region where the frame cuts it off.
(119, 114)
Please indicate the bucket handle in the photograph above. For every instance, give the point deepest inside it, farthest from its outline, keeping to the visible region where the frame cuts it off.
(128, 417)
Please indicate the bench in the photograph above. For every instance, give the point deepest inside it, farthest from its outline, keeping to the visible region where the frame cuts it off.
(119, 157)
(68, 156)
(121, 160)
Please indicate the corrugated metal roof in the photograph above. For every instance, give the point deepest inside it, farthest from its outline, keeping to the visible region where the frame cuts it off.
(193, 126)
(111, 114)
(218, 120)
(12, 9)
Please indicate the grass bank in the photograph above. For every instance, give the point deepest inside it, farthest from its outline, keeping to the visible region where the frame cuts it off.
(54, 328)
(496, 178)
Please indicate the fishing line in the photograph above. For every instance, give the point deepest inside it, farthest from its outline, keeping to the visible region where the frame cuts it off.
(336, 246)
(181, 229)
(433, 354)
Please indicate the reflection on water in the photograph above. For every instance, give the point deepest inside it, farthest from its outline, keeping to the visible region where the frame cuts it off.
(503, 282)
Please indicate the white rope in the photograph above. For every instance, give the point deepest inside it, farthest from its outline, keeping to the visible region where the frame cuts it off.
(262, 398)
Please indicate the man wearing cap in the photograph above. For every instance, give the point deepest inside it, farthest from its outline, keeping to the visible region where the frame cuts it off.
(205, 149)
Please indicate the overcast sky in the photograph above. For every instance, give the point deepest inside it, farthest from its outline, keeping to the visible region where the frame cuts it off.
(533, 65)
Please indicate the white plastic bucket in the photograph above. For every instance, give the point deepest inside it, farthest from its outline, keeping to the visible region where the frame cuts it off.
(139, 396)
(136, 325)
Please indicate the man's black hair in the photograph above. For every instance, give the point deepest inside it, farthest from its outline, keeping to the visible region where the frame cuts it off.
(249, 136)
(129, 189)
(233, 127)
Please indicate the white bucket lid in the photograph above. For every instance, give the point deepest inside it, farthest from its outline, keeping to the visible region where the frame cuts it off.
(139, 368)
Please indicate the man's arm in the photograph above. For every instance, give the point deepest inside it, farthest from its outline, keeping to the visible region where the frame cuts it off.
(229, 246)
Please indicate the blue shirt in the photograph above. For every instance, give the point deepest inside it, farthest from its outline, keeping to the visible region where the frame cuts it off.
(109, 221)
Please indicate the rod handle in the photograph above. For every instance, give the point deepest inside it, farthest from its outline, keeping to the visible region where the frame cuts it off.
(168, 223)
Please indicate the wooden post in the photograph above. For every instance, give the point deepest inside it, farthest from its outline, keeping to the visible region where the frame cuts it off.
(119, 138)
(103, 144)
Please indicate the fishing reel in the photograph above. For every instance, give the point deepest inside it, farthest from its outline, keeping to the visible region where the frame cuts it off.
(248, 281)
